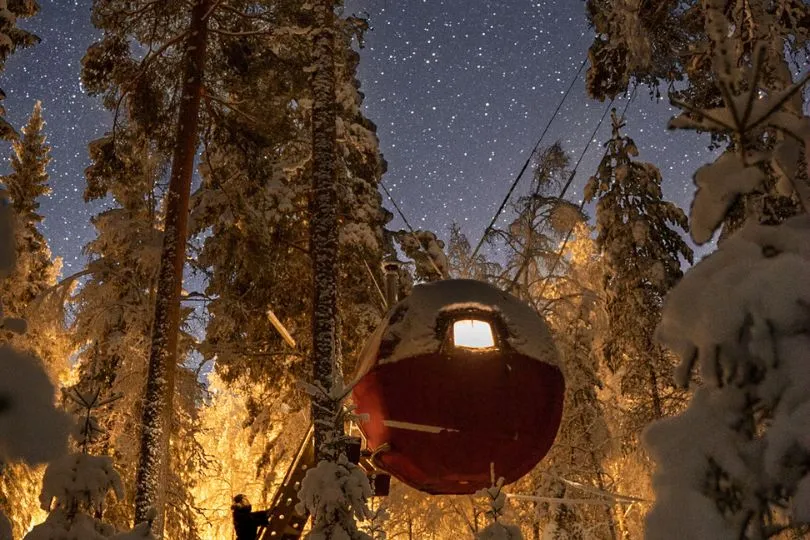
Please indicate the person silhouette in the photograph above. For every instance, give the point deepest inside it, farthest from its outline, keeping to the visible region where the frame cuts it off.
(246, 523)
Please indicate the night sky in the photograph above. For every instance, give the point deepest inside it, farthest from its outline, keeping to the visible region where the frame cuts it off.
(460, 90)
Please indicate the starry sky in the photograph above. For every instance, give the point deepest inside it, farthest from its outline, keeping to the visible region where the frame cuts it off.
(460, 91)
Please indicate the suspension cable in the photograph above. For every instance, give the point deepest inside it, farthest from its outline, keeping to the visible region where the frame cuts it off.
(528, 161)
(581, 206)
(585, 150)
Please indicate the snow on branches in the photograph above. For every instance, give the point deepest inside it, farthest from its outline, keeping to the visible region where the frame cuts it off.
(335, 493)
(766, 130)
(495, 497)
(735, 463)
(32, 429)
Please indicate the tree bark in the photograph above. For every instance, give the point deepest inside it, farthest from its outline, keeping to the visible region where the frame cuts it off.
(153, 465)
(324, 230)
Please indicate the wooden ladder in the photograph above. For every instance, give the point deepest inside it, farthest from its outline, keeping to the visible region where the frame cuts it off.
(285, 523)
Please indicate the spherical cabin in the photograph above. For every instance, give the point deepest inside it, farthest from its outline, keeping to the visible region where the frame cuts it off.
(459, 378)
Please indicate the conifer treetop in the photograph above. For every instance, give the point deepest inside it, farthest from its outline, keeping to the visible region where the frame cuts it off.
(29, 177)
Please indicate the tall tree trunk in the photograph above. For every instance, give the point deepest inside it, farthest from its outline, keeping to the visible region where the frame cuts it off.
(324, 229)
(158, 407)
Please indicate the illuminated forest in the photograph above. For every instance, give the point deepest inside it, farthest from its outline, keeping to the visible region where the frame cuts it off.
(596, 361)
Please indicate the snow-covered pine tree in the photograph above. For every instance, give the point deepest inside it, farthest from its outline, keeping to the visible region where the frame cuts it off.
(639, 42)
(734, 464)
(32, 432)
(12, 38)
(542, 221)
(147, 87)
(238, 48)
(426, 251)
(361, 215)
(460, 263)
(497, 529)
(112, 313)
(664, 42)
(765, 134)
(21, 293)
(642, 254)
(668, 41)
(251, 213)
(36, 270)
(553, 265)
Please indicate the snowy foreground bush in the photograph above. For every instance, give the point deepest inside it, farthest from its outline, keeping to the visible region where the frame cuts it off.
(75, 487)
(335, 494)
(735, 464)
(497, 529)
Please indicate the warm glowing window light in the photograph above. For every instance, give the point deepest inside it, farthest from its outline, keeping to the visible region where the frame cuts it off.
(472, 334)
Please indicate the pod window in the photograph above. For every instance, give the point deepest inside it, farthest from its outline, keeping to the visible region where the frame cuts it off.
(473, 334)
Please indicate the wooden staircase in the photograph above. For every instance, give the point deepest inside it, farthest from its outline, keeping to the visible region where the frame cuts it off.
(285, 522)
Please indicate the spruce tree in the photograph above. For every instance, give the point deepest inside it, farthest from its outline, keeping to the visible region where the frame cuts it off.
(26, 184)
(23, 295)
(113, 305)
(643, 251)
(251, 213)
(670, 42)
(733, 464)
(12, 38)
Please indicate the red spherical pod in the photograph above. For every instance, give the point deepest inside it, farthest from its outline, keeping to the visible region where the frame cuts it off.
(461, 377)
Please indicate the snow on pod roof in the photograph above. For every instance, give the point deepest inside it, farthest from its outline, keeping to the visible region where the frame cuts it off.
(411, 325)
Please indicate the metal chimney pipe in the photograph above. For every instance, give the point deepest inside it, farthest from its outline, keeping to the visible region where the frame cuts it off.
(391, 270)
